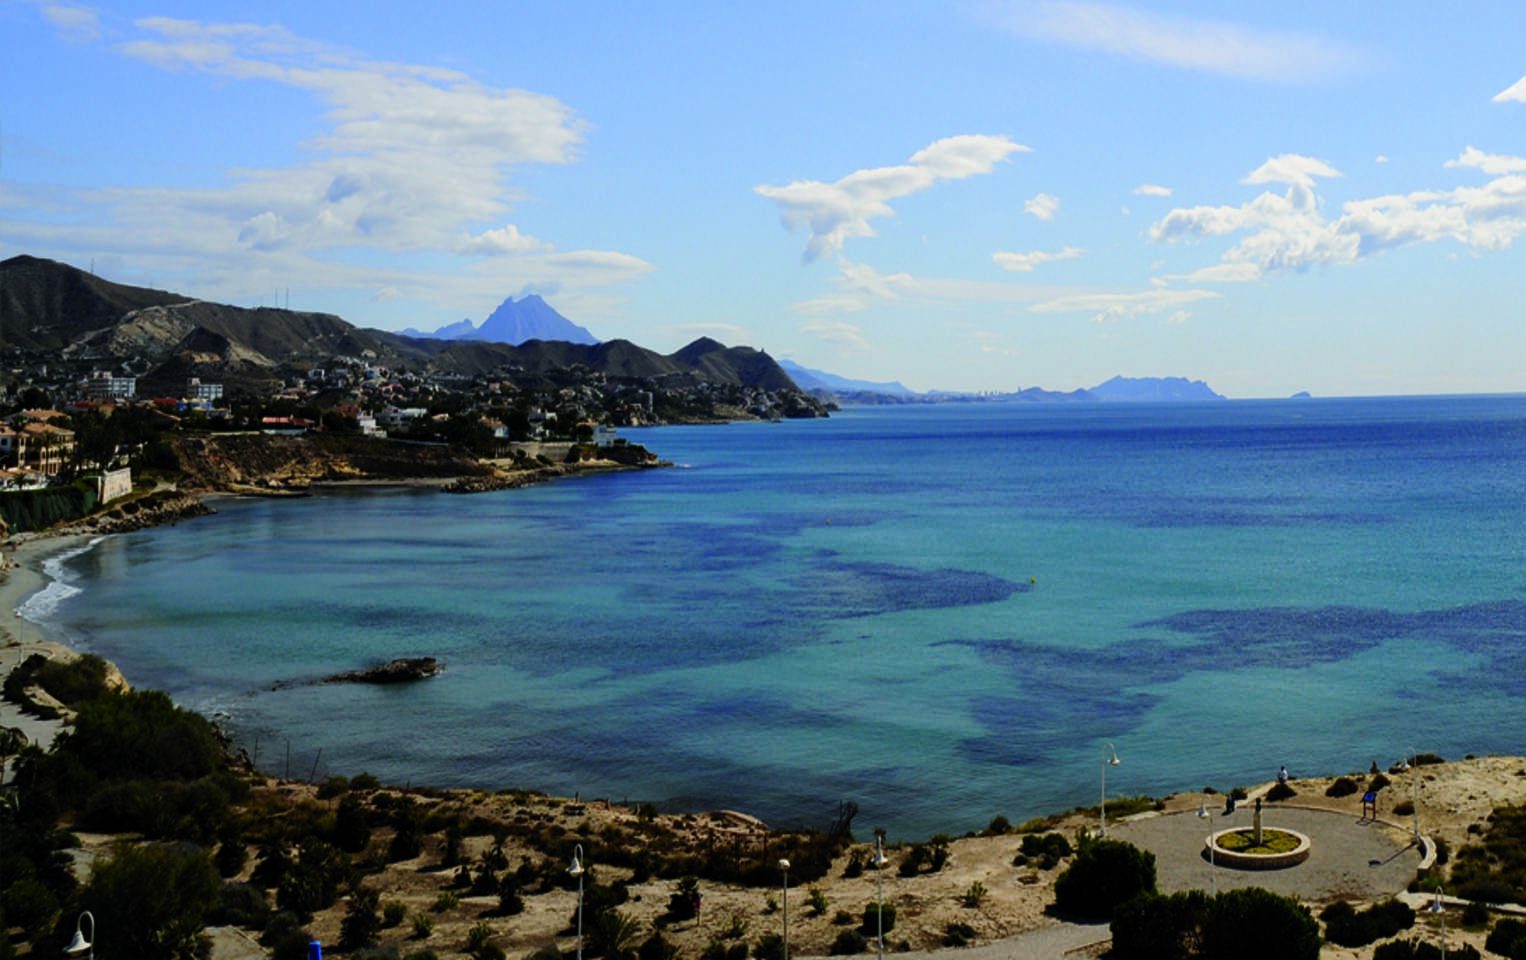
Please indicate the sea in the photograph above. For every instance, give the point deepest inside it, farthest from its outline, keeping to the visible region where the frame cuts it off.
(939, 613)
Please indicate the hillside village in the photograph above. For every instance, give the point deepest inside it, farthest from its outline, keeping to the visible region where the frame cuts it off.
(93, 375)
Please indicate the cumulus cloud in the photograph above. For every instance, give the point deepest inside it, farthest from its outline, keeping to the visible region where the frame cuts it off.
(1210, 46)
(504, 240)
(1025, 262)
(1220, 273)
(1043, 206)
(406, 158)
(1516, 91)
(1380, 158)
(1152, 190)
(834, 212)
(1494, 164)
(1290, 231)
(1291, 168)
(1112, 307)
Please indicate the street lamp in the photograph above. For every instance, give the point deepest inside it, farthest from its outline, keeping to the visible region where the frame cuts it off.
(1439, 909)
(1411, 767)
(576, 870)
(1109, 759)
(79, 946)
(1213, 878)
(784, 869)
(879, 862)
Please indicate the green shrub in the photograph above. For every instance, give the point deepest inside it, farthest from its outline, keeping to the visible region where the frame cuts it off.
(394, 912)
(285, 937)
(847, 943)
(29, 904)
(446, 900)
(1475, 916)
(333, 786)
(73, 682)
(656, 947)
(423, 926)
(1153, 927)
(1342, 787)
(1104, 874)
(154, 899)
(352, 828)
(1280, 791)
(817, 901)
(975, 895)
(1404, 808)
(241, 905)
(1507, 933)
(770, 946)
(421, 955)
(361, 923)
(1256, 924)
(1349, 927)
(958, 935)
(1420, 950)
(999, 825)
(312, 883)
(872, 915)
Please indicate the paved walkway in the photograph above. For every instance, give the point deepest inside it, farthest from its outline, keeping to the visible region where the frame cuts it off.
(1350, 858)
(1047, 943)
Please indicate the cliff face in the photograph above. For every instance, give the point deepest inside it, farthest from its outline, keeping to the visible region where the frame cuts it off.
(255, 461)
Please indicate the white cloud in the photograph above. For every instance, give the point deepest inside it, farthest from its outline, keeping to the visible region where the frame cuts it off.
(504, 240)
(1025, 262)
(1179, 317)
(383, 294)
(1220, 273)
(1207, 45)
(1152, 190)
(1493, 164)
(1516, 91)
(1380, 158)
(1291, 168)
(75, 23)
(1291, 232)
(1111, 307)
(861, 286)
(836, 331)
(834, 212)
(1043, 206)
(406, 158)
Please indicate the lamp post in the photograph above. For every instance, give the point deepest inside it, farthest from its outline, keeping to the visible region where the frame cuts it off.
(79, 946)
(1439, 909)
(1213, 877)
(577, 871)
(1109, 759)
(1412, 768)
(784, 869)
(879, 862)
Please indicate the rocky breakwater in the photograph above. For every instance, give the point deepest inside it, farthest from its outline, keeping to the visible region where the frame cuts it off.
(401, 670)
(572, 458)
(159, 509)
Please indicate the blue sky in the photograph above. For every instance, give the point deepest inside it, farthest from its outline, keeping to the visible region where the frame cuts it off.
(983, 195)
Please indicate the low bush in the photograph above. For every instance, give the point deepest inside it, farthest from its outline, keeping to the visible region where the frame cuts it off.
(241, 905)
(1280, 791)
(1342, 787)
(1420, 950)
(958, 935)
(872, 916)
(1506, 936)
(1252, 924)
(154, 899)
(847, 943)
(1349, 927)
(770, 946)
(1404, 808)
(998, 826)
(656, 947)
(1104, 874)
(975, 895)
(361, 921)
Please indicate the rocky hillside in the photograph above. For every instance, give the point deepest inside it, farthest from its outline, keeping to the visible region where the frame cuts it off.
(234, 462)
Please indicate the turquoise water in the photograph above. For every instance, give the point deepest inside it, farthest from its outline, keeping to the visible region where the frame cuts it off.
(941, 613)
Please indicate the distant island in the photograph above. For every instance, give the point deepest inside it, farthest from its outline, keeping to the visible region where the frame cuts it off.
(1116, 390)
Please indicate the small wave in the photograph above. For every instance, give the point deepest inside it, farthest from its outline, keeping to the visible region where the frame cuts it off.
(61, 584)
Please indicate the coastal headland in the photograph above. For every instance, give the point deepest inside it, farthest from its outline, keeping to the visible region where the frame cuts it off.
(979, 888)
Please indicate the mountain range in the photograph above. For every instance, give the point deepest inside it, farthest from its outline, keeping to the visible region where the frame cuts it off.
(513, 322)
(52, 311)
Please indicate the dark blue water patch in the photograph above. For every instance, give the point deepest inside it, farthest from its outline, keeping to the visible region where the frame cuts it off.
(1064, 695)
(844, 590)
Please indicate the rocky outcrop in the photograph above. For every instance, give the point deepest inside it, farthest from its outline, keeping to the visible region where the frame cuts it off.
(401, 670)
(141, 514)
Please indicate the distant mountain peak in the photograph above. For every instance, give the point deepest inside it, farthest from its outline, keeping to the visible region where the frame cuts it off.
(515, 321)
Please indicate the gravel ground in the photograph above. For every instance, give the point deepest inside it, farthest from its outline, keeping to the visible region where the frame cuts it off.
(1350, 858)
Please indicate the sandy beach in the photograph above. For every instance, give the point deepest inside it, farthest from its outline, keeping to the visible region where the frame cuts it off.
(22, 576)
